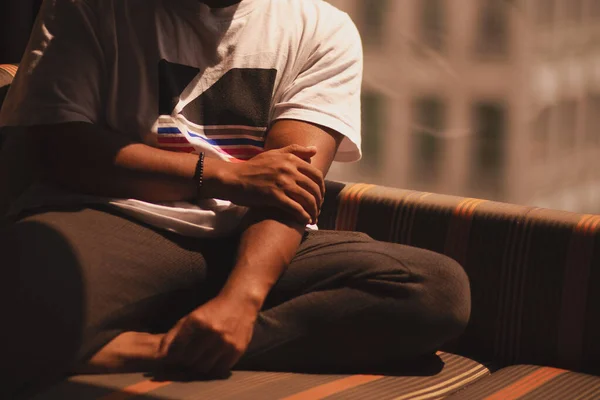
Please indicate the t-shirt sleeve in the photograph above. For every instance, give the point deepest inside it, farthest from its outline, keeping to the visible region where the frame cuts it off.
(61, 77)
(327, 89)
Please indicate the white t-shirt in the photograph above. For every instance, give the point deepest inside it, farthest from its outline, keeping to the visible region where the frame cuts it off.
(178, 75)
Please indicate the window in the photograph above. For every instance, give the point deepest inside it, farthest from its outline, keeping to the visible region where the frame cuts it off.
(429, 121)
(541, 131)
(492, 37)
(573, 11)
(592, 119)
(373, 120)
(567, 123)
(488, 162)
(594, 9)
(544, 12)
(432, 24)
(372, 26)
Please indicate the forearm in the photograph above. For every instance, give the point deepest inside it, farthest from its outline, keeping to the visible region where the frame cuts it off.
(271, 238)
(89, 159)
(268, 244)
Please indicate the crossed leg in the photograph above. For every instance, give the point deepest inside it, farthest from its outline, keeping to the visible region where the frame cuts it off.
(92, 291)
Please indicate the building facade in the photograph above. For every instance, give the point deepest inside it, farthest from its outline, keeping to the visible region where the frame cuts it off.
(497, 99)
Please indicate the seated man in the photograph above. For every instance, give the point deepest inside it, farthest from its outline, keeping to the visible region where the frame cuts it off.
(181, 148)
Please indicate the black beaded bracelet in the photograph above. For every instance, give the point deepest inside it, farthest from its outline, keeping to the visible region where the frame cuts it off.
(199, 174)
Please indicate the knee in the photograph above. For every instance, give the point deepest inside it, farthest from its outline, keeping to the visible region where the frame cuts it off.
(426, 290)
(44, 291)
(447, 298)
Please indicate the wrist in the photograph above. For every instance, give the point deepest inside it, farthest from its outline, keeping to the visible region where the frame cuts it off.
(248, 296)
(217, 179)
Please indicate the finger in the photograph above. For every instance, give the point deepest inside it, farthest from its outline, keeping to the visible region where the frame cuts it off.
(227, 362)
(310, 186)
(300, 151)
(166, 349)
(305, 199)
(177, 350)
(202, 349)
(286, 204)
(314, 173)
(206, 364)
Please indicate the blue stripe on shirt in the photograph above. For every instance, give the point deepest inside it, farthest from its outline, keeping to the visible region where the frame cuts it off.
(214, 142)
(168, 130)
(230, 142)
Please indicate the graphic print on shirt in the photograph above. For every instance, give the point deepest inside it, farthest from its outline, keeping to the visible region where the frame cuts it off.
(229, 119)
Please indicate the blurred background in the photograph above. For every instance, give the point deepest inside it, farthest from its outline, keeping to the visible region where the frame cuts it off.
(497, 99)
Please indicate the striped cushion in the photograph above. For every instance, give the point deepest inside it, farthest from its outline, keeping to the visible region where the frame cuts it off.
(7, 73)
(536, 297)
(424, 383)
(526, 382)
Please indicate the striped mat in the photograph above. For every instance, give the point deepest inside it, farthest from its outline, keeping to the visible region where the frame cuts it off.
(527, 382)
(7, 73)
(456, 373)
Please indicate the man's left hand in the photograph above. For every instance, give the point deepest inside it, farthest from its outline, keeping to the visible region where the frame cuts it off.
(211, 339)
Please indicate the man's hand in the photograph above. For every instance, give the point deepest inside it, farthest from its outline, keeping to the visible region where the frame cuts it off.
(281, 178)
(211, 339)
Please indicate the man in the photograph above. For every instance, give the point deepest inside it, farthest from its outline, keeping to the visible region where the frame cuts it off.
(183, 146)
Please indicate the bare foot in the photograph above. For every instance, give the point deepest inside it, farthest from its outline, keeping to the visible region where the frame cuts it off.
(128, 352)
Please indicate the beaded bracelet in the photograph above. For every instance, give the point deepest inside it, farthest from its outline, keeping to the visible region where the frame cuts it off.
(199, 174)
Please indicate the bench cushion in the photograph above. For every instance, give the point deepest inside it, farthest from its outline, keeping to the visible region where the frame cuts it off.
(434, 378)
(530, 382)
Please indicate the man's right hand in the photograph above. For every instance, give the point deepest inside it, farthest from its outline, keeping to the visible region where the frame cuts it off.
(281, 178)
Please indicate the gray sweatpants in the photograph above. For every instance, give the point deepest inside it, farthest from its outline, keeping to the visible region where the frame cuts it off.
(75, 279)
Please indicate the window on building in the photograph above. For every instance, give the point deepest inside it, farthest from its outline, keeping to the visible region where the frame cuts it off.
(372, 25)
(541, 135)
(544, 12)
(432, 24)
(592, 119)
(594, 9)
(429, 121)
(572, 11)
(487, 170)
(493, 28)
(373, 122)
(567, 123)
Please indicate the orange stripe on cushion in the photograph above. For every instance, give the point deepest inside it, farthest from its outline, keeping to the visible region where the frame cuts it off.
(356, 205)
(334, 387)
(595, 224)
(400, 208)
(349, 206)
(527, 384)
(458, 232)
(11, 69)
(343, 205)
(583, 222)
(403, 217)
(135, 390)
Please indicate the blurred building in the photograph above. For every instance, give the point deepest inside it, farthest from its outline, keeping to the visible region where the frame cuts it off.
(498, 99)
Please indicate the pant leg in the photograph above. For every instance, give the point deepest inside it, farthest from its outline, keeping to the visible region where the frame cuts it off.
(349, 303)
(73, 280)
